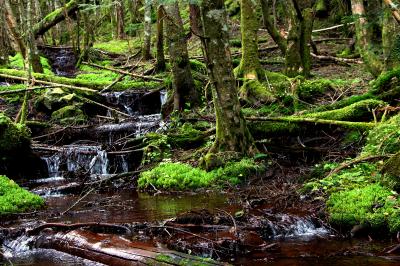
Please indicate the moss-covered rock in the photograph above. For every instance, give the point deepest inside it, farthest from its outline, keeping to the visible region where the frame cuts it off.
(14, 199)
(14, 138)
(70, 114)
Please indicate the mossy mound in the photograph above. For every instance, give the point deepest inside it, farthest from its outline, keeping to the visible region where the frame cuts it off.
(373, 205)
(17, 62)
(384, 139)
(14, 199)
(179, 176)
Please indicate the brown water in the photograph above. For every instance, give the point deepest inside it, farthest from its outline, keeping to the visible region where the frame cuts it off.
(129, 206)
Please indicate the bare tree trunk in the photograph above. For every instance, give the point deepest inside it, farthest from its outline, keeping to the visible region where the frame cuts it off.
(185, 92)
(13, 27)
(120, 19)
(232, 134)
(147, 30)
(160, 39)
(364, 39)
(195, 19)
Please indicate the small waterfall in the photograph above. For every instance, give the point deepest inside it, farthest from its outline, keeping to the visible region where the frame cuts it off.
(288, 226)
(53, 165)
(163, 97)
(74, 158)
(16, 246)
(122, 163)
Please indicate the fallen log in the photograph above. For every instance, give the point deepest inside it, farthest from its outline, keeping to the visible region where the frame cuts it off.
(52, 84)
(53, 18)
(124, 72)
(114, 250)
(292, 119)
(336, 59)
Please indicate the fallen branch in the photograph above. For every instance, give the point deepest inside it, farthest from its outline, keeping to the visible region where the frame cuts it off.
(124, 72)
(70, 227)
(333, 27)
(25, 90)
(337, 59)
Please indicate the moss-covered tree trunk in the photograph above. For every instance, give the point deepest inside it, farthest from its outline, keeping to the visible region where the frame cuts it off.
(364, 39)
(160, 39)
(232, 134)
(270, 26)
(146, 52)
(298, 58)
(390, 39)
(250, 67)
(185, 92)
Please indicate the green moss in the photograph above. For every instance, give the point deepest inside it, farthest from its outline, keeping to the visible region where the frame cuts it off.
(17, 62)
(182, 261)
(14, 138)
(119, 46)
(355, 111)
(383, 82)
(198, 66)
(309, 89)
(254, 91)
(14, 199)
(185, 136)
(384, 139)
(70, 114)
(179, 176)
(373, 205)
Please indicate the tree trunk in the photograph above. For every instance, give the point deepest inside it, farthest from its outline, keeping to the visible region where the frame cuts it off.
(160, 40)
(147, 30)
(270, 26)
(195, 19)
(250, 67)
(120, 19)
(364, 39)
(5, 45)
(185, 92)
(232, 133)
(390, 39)
(298, 58)
(13, 27)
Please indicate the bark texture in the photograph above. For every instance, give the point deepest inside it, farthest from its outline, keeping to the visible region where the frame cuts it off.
(232, 133)
(147, 30)
(160, 39)
(364, 39)
(250, 67)
(183, 83)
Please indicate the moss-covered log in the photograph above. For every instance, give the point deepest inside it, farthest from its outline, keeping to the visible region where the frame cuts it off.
(55, 17)
(77, 83)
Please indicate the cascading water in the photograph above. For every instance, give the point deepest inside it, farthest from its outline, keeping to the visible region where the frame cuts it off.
(73, 158)
(289, 226)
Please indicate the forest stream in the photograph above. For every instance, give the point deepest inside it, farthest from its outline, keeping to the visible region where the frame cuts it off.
(294, 237)
(269, 134)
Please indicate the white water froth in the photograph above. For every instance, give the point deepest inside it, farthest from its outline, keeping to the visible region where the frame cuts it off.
(288, 226)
